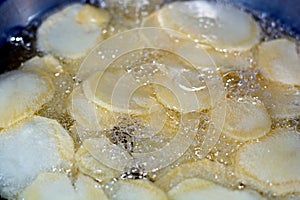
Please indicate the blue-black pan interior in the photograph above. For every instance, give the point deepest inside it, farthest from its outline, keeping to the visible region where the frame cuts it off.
(16, 14)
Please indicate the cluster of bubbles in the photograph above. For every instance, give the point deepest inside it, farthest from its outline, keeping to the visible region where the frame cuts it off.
(239, 83)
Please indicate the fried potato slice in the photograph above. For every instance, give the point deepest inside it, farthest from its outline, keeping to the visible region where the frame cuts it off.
(48, 186)
(246, 120)
(106, 90)
(281, 101)
(272, 164)
(279, 61)
(179, 86)
(87, 114)
(195, 188)
(22, 94)
(200, 169)
(72, 32)
(88, 165)
(29, 148)
(209, 23)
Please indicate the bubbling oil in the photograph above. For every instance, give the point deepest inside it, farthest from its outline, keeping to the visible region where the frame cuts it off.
(239, 84)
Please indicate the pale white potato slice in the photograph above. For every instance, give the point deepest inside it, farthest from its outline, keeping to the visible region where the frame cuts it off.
(246, 120)
(48, 186)
(281, 101)
(88, 165)
(272, 164)
(71, 32)
(29, 148)
(136, 190)
(45, 65)
(279, 61)
(204, 168)
(22, 94)
(195, 188)
(87, 114)
(117, 91)
(209, 23)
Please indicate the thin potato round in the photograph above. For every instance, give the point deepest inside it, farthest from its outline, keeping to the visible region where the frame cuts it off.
(195, 188)
(48, 186)
(200, 169)
(246, 120)
(106, 90)
(281, 101)
(271, 165)
(279, 61)
(210, 23)
(88, 165)
(87, 114)
(54, 36)
(29, 148)
(22, 94)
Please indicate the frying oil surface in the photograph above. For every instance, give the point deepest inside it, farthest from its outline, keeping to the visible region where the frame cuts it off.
(257, 117)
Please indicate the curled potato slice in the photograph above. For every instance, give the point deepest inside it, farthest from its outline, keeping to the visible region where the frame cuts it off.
(246, 120)
(22, 94)
(201, 169)
(210, 23)
(196, 188)
(279, 61)
(54, 36)
(271, 165)
(136, 190)
(87, 114)
(48, 186)
(29, 148)
(179, 86)
(88, 165)
(181, 94)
